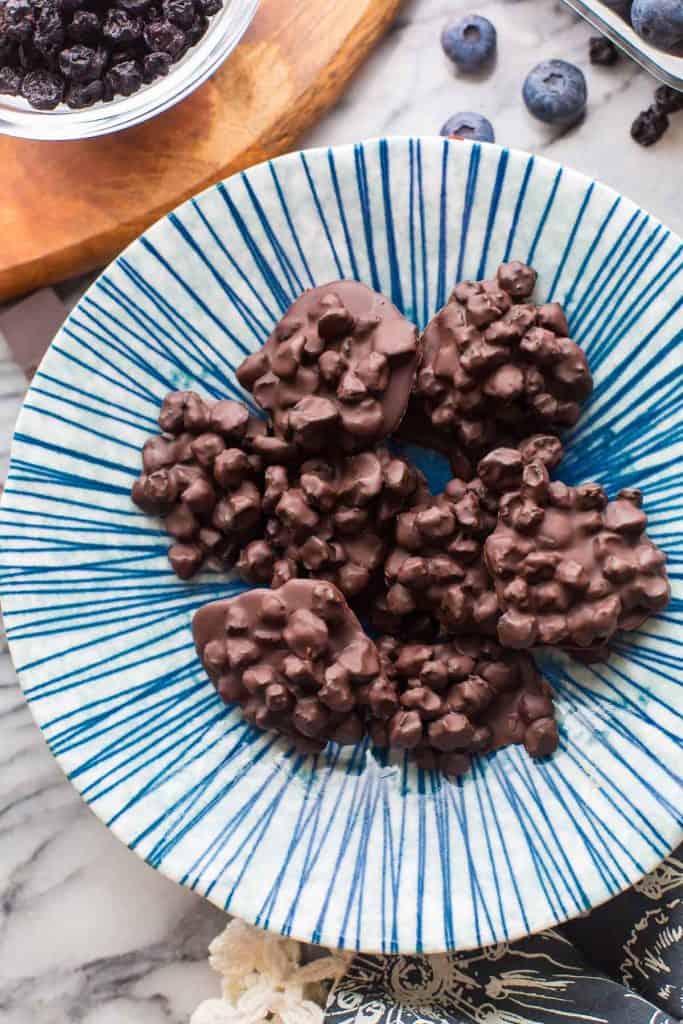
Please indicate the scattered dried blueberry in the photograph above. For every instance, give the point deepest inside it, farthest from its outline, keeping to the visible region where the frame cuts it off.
(468, 125)
(43, 89)
(555, 92)
(659, 22)
(10, 81)
(668, 100)
(470, 43)
(603, 51)
(649, 126)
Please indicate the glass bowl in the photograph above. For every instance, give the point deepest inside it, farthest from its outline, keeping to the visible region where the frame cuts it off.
(667, 67)
(225, 30)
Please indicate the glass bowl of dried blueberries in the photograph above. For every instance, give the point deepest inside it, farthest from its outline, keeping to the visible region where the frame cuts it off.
(74, 69)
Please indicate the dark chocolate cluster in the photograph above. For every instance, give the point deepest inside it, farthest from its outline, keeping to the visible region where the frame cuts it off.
(458, 586)
(437, 566)
(337, 371)
(297, 660)
(331, 519)
(494, 365)
(207, 475)
(571, 567)
(464, 696)
(82, 51)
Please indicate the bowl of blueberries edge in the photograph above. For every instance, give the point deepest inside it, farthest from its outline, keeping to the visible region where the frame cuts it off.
(222, 24)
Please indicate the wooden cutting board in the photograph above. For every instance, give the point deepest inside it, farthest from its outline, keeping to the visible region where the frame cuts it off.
(69, 207)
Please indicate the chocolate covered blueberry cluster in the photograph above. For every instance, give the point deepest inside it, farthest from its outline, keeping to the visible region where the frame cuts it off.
(464, 696)
(495, 364)
(570, 567)
(337, 371)
(330, 519)
(437, 565)
(313, 504)
(205, 474)
(298, 661)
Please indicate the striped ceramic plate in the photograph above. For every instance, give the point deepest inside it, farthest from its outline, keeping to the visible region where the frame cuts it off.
(346, 850)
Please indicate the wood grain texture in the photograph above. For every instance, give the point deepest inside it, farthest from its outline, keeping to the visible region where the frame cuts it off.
(69, 207)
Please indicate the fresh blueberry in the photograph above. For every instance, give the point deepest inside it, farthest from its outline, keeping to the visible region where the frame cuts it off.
(659, 22)
(555, 92)
(470, 43)
(468, 125)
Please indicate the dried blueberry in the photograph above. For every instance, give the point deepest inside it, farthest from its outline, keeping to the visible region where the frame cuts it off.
(79, 96)
(668, 100)
(199, 27)
(48, 37)
(649, 126)
(125, 78)
(120, 28)
(10, 81)
(84, 28)
(180, 12)
(210, 7)
(164, 35)
(155, 64)
(469, 125)
(82, 63)
(602, 51)
(470, 43)
(19, 21)
(137, 7)
(42, 89)
(555, 92)
(29, 58)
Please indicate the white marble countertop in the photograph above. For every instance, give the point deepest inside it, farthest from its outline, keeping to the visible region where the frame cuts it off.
(88, 933)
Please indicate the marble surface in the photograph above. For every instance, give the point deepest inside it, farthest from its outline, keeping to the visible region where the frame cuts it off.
(88, 933)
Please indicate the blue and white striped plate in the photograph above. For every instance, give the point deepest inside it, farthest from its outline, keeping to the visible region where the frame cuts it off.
(346, 850)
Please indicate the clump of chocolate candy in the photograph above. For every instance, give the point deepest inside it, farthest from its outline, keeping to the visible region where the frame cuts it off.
(206, 474)
(338, 369)
(297, 660)
(570, 567)
(329, 519)
(493, 363)
(460, 585)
